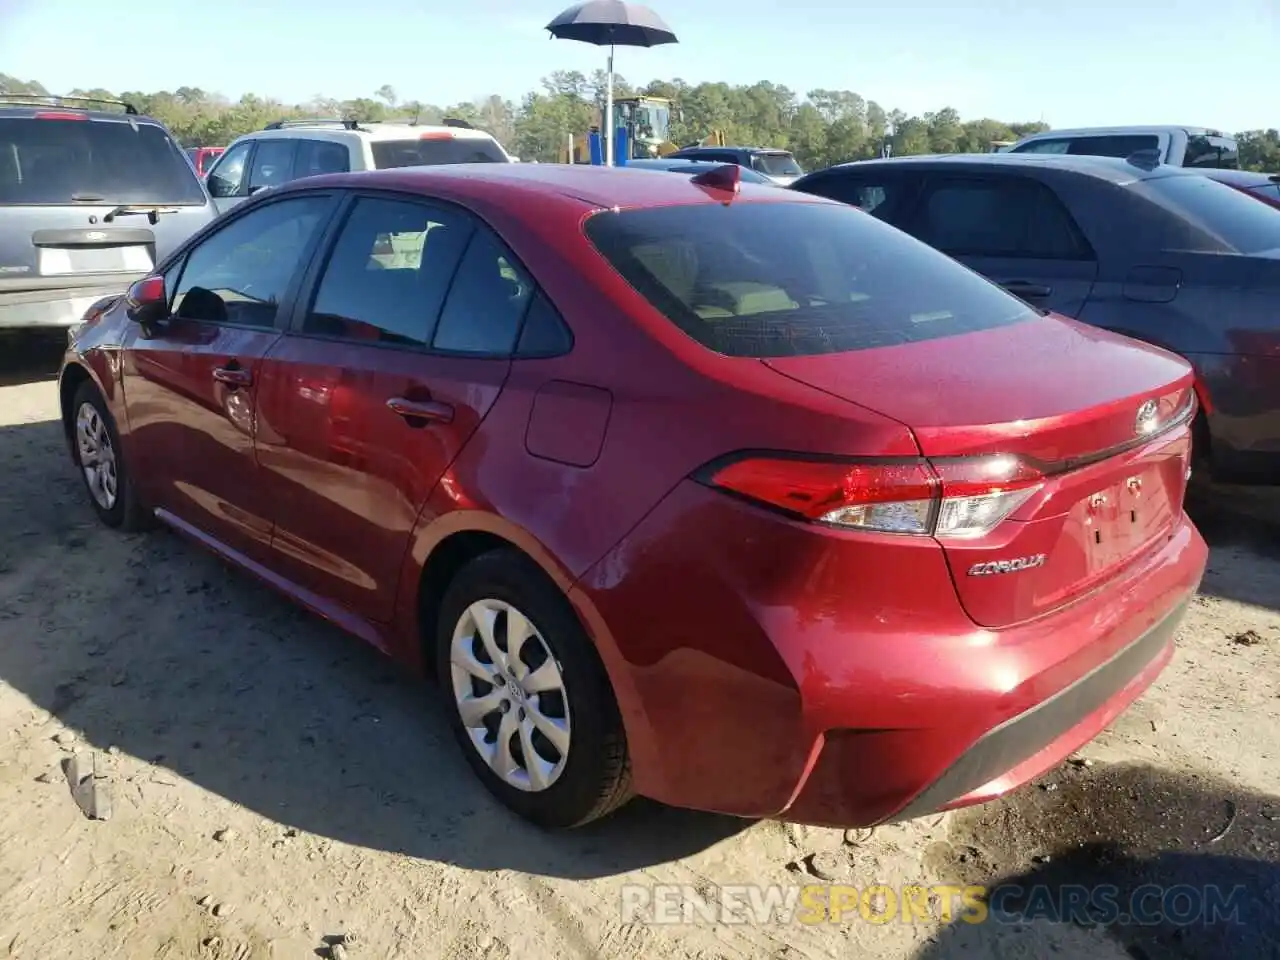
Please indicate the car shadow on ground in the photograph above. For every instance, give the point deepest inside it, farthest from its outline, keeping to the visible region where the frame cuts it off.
(151, 645)
(1119, 861)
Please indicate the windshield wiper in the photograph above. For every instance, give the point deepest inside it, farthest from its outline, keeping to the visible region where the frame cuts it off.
(128, 210)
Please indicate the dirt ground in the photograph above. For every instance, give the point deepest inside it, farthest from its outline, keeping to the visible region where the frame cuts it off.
(276, 786)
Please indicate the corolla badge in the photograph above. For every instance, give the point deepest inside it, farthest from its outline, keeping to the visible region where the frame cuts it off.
(1013, 565)
(1148, 418)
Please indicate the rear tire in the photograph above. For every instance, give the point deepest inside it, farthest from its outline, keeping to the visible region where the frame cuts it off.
(552, 699)
(96, 451)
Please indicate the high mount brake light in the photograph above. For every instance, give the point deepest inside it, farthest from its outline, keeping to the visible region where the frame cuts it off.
(954, 499)
(60, 115)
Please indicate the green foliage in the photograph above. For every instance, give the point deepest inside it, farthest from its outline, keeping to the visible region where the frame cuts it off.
(821, 128)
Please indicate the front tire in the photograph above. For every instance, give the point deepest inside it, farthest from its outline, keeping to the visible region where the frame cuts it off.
(528, 698)
(95, 448)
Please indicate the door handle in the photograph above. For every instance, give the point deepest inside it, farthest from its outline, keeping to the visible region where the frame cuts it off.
(1027, 290)
(421, 409)
(233, 376)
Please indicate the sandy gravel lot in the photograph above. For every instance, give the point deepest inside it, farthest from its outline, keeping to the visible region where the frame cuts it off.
(275, 786)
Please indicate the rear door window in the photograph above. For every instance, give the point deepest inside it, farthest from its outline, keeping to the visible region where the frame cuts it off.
(795, 279)
(487, 301)
(996, 217)
(1207, 215)
(316, 157)
(430, 149)
(55, 162)
(389, 272)
(272, 164)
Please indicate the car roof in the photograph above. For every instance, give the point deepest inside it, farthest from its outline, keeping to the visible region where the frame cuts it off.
(580, 184)
(701, 148)
(374, 133)
(1112, 169)
(1138, 128)
(27, 111)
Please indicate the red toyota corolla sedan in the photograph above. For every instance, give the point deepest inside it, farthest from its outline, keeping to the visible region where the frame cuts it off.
(732, 497)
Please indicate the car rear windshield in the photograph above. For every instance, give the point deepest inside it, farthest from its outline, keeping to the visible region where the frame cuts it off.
(46, 161)
(776, 164)
(1219, 217)
(795, 279)
(418, 153)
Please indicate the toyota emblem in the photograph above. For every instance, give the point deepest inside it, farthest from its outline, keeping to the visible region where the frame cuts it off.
(93, 236)
(1148, 418)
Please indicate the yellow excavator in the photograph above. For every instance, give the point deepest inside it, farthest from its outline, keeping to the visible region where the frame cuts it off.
(647, 121)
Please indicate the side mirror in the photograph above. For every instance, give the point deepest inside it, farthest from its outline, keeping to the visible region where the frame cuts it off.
(147, 302)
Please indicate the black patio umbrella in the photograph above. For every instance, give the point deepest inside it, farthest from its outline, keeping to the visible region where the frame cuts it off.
(611, 23)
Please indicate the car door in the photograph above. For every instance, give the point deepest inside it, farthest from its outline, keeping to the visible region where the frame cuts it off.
(1012, 229)
(190, 382)
(391, 364)
(228, 178)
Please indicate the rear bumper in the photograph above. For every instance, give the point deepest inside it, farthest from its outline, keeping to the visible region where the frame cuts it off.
(765, 670)
(57, 307)
(1011, 753)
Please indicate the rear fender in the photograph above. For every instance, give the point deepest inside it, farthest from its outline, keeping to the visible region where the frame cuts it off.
(436, 525)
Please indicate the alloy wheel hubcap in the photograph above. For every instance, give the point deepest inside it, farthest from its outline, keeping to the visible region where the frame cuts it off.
(97, 456)
(510, 695)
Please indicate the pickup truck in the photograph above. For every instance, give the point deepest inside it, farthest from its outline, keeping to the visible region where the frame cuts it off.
(1177, 146)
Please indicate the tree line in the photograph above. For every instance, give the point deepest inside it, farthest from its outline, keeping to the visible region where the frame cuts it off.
(821, 128)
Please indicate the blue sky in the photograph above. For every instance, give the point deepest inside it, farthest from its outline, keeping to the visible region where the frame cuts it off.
(1088, 62)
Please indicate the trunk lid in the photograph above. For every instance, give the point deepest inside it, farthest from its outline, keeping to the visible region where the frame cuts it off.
(1103, 416)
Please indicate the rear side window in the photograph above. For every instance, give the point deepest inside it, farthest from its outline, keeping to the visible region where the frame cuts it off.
(1211, 215)
(92, 161)
(886, 197)
(997, 217)
(1212, 151)
(776, 165)
(795, 279)
(388, 273)
(430, 150)
(1118, 145)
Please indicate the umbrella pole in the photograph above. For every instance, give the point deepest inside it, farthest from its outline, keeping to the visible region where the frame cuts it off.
(608, 114)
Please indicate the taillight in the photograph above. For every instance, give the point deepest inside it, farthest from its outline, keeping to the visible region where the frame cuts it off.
(954, 499)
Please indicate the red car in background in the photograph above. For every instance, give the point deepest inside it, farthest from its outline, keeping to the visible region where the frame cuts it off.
(202, 157)
(730, 496)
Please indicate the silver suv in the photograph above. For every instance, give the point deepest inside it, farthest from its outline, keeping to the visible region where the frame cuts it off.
(290, 149)
(92, 196)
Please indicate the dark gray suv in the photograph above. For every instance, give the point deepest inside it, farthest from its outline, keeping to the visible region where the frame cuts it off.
(92, 196)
